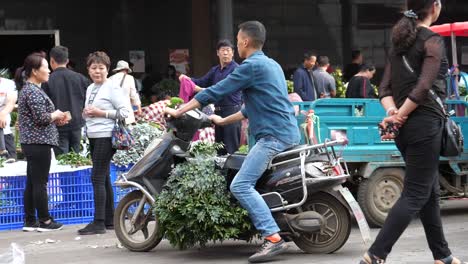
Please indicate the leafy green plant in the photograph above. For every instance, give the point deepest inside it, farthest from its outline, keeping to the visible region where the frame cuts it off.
(244, 149)
(175, 102)
(143, 133)
(200, 148)
(14, 118)
(290, 86)
(195, 207)
(340, 86)
(5, 73)
(2, 160)
(73, 159)
(376, 89)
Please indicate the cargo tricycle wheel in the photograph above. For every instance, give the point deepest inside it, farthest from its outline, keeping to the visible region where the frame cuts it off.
(378, 194)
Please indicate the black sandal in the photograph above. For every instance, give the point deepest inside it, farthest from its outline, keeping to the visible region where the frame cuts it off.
(449, 260)
(373, 259)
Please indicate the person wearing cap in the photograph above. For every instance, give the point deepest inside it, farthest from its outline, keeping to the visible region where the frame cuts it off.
(123, 79)
(67, 90)
(230, 134)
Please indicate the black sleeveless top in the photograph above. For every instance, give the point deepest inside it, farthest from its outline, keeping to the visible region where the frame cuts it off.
(426, 69)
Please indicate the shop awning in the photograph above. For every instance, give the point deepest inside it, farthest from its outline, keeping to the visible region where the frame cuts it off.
(460, 29)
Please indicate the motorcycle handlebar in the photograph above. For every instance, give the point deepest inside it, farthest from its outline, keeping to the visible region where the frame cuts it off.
(196, 114)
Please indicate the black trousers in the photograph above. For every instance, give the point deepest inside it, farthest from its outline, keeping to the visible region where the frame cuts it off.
(37, 175)
(101, 155)
(419, 142)
(10, 146)
(68, 141)
(230, 134)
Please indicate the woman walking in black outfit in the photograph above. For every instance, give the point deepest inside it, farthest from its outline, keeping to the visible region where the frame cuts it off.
(38, 134)
(417, 64)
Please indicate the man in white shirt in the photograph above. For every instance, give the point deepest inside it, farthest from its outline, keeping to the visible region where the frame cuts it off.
(8, 97)
(124, 80)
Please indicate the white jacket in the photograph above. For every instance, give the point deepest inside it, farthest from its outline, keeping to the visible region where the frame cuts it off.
(130, 91)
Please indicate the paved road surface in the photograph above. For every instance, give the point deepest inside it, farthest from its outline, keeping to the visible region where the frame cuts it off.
(102, 249)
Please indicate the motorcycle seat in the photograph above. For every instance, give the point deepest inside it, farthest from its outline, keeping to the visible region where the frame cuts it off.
(290, 156)
(234, 161)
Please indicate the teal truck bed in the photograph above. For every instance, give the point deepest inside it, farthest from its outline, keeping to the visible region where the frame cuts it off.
(377, 166)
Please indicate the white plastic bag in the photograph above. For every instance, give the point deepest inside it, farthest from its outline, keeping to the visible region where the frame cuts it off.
(14, 255)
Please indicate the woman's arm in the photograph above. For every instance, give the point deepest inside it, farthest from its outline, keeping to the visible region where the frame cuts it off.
(37, 104)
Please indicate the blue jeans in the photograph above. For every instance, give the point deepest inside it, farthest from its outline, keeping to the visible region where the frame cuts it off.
(243, 185)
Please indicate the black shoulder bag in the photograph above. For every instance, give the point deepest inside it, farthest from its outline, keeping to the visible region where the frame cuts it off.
(452, 137)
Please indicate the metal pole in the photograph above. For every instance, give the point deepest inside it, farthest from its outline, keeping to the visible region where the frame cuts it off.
(455, 61)
(454, 49)
(225, 27)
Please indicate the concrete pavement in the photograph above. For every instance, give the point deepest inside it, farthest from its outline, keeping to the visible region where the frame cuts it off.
(66, 247)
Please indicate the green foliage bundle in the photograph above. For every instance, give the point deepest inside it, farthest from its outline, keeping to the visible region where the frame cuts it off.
(195, 206)
(73, 159)
(244, 149)
(200, 148)
(14, 118)
(143, 133)
(175, 102)
(5, 73)
(290, 86)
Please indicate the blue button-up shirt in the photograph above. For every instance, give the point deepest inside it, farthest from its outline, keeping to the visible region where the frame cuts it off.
(217, 74)
(265, 94)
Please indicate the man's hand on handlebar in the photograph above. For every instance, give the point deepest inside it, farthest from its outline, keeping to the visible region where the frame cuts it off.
(172, 112)
(216, 119)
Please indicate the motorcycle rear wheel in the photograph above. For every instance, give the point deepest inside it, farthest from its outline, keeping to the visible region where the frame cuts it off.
(136, 236)
(336, 228)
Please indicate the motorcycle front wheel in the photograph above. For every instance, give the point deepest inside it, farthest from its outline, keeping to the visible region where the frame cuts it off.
(135, 225)
(335, 230)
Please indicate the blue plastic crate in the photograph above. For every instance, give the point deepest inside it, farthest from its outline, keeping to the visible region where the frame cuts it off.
(67, 198)
(71, 197)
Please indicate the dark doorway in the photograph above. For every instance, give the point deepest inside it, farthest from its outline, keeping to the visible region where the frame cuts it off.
(15, 47)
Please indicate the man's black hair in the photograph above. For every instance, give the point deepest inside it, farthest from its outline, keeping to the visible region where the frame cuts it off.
(323, 61)
(59, 54)
(224, 43)
(367, 67)
(355, 54)
(309, 54)
(255, 31)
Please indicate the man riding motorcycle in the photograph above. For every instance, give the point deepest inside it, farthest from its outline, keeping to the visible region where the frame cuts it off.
(271, 122)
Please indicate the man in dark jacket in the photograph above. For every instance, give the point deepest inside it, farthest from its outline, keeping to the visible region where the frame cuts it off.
(303, 79)
(228, 135)
(67, 90)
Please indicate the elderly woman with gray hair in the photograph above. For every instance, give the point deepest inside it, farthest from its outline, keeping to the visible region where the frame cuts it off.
(105, 103)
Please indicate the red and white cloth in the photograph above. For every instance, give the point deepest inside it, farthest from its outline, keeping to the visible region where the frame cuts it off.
(155, 113)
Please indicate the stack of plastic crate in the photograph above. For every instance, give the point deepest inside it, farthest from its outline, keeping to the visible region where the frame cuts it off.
(115, 172)
(70, 198)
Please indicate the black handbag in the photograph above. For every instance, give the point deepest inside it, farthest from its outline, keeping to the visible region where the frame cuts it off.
(452, 136)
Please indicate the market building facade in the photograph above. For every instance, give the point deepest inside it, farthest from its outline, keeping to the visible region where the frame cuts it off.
(149, 30)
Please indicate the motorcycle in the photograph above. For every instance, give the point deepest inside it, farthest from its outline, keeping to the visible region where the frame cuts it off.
(302, 187)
